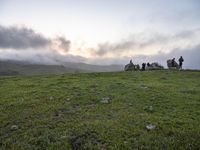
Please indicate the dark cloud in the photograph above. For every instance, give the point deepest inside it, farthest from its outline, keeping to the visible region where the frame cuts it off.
(25, 38)
(63, 44)
(107, 47)
(21, 38)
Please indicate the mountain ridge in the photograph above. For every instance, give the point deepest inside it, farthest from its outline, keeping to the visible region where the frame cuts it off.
(11, 67)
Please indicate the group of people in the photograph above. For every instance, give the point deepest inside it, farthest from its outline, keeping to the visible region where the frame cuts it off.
(181, 60)
(173, 64)
(144, 65)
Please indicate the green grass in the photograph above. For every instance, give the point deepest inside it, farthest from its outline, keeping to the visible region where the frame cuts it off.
(65, 112)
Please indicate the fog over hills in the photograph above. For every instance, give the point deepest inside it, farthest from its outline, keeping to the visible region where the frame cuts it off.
(11, 67)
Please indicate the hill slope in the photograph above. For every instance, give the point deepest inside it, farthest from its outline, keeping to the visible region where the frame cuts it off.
(11, 68)
(67, 111)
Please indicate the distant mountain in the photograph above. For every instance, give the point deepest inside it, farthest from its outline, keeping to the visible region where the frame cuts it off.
(10, 68)
(94, 68)
(26, 68)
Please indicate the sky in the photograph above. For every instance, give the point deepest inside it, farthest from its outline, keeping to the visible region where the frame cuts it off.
(100, 32)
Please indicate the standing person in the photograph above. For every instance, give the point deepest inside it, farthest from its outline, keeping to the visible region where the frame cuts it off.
(181, 60)
(143, 66)
(148, 64)
(173, 62)
(131, 62)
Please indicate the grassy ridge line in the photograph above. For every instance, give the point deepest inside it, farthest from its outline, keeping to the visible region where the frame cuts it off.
(65, 112)
(13, 68)
(20, 68)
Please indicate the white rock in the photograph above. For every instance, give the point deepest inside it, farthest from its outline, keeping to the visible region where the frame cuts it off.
(14, 127)
(105, 100)
(150, 127)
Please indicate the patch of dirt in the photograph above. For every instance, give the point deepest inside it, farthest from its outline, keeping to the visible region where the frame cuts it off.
(87, 140)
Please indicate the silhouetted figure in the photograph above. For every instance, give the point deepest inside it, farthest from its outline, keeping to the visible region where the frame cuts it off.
(173, 62)
(137, 67)
(131, 62)
(181, 60)
(148, 64)
(143, 66)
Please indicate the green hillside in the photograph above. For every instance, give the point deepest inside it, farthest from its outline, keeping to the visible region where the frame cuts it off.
(10, 68)
(124, 110)
(13, 68)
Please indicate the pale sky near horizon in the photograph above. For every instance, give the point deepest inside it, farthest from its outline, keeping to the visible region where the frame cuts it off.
(107, 28)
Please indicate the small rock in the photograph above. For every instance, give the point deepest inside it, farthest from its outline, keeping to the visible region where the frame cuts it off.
(51, 98)
(63, 137)
(130, 104)
(144, 87)
(148, 108)
(14, 127)
(106, 100)
(150, 127)
(68, 99)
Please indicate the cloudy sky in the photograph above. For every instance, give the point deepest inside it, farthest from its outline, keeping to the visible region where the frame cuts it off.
(100, 31)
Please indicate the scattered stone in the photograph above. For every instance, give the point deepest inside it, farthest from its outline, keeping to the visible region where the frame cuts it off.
(14, 127)
(148, 108)
(144, 87)
(130, 104)
(68, 99)
(106, 100)
(64, 137)
(150, 127)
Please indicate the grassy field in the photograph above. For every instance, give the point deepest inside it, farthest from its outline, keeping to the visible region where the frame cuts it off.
(67, 112)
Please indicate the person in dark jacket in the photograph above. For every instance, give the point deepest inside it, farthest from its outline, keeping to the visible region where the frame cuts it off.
(131, 62)
(181, 60)
(148, 64)
(143, 66)
(173, 62)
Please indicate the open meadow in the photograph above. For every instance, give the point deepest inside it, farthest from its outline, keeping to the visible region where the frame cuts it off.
(122, 110)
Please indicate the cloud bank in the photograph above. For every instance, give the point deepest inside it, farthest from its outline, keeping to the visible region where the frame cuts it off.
(149, 42)
(24, 44)
(22, 38)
